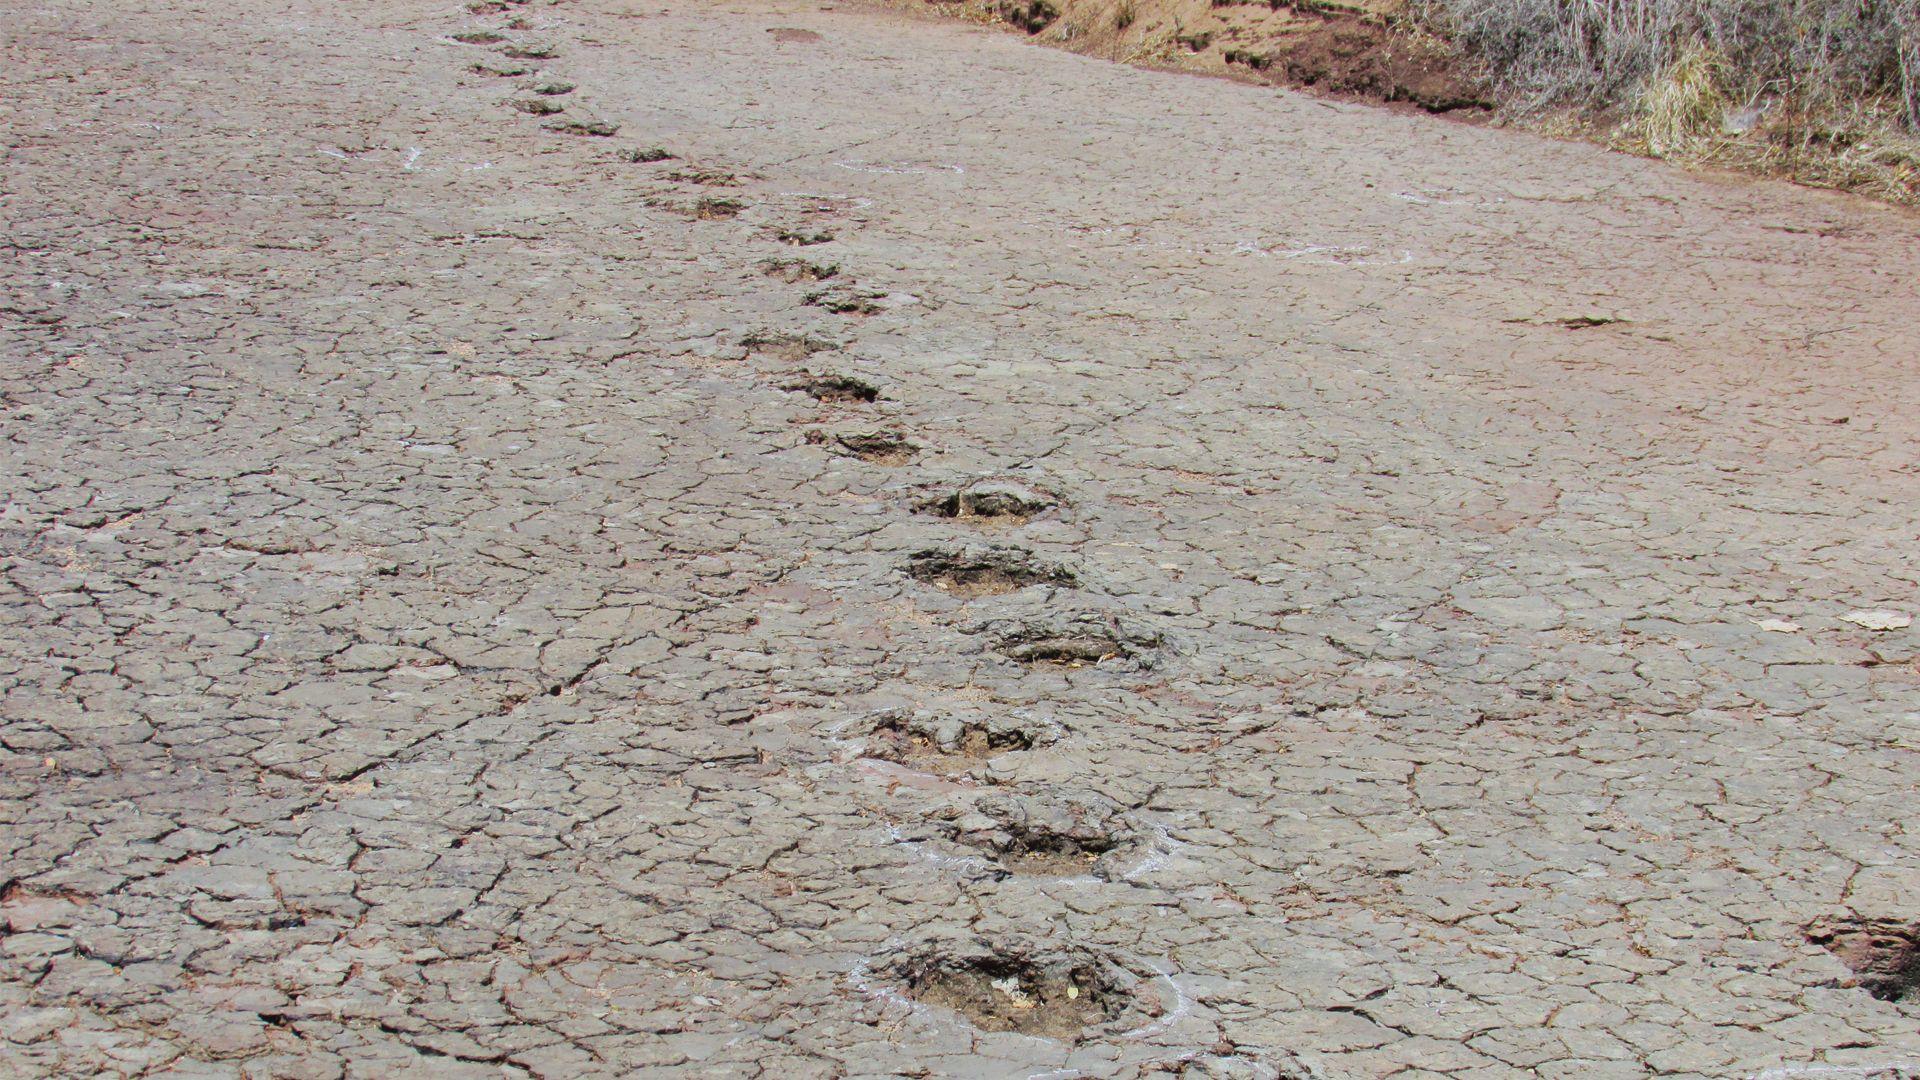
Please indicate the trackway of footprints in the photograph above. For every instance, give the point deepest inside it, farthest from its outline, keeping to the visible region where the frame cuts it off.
(1080, 837)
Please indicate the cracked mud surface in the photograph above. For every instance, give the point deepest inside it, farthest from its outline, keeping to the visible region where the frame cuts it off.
(436, 642)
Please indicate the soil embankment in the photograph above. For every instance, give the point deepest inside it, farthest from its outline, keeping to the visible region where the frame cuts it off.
(1362, 48)
(1729, 102)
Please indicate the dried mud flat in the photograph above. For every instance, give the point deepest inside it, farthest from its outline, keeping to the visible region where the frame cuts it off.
(842, 545)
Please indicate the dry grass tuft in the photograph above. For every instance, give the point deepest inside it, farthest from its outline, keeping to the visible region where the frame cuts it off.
(1685, 104)
(1866, 149)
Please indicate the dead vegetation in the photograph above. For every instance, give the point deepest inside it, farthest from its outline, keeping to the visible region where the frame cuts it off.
(1822, 92)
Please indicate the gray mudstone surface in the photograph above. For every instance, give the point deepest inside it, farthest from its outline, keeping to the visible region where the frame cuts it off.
(437, 642)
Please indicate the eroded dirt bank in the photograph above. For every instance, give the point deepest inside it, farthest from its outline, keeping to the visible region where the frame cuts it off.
(1824, 100)
(1366, 50)
(596, 540)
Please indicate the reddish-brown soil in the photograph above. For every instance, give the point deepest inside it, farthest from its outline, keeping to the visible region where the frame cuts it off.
(1360, 49)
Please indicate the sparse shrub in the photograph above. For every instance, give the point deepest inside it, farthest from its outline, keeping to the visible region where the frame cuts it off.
(1032, 16)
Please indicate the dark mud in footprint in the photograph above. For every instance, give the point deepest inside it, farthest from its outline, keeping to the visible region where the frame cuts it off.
(836, 389)
(530, 52)
(874, 447)
(1022, 986)
(787, 348)
(705, 177)
(716, 209)
(643, 155)
(795, 238)
(1076, 643)
(942, 744)
(995, 501)
(848, 301)
(1045, 854)
(599, 129)
(1884, 954)
(535, 106)
(499, 70)
(478, 37)
(1046, 835)
(793, 34)
(978, 572)
(797, 270)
